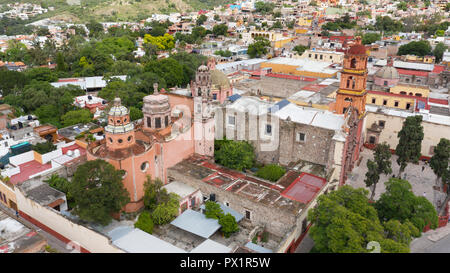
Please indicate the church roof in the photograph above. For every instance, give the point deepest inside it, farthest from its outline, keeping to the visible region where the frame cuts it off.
(387, 72)
(219, 79)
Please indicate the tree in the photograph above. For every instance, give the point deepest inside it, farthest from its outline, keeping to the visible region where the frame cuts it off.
(403, 6)
(95, 28)
(229, 224)
(165, 42)
(98, 191)
(236, 155)
(410, 142)
(381, 165)
(370, 38)
(271, 172)
(166, 212)
(264, 7)
(201, 19)
(220, 29)
(76, 116)
(439, 50)
(213, 210)
(62, 184)
(344, 222)
(300, 49)
(400, 203)
(135, 113)
(258, 48)
(144, 222)
(440, 164)
(169, 69)
(154, 193)
(419, 48)
(10, 80)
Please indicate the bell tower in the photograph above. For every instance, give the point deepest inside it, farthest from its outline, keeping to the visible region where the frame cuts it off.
(352, 90)
(203, 119)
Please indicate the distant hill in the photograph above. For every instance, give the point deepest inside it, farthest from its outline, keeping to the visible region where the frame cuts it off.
(116, 10)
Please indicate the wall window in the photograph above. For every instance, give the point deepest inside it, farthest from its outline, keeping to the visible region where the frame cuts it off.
(301, 137)
(166, 121)
(158, 122)
(248, 214)
(144, 166)
(372, 140)
(231, 120)
(214, 96)
(268, 129)
(381, 123)
(408, 105)
(149, 122)
(374, 100)
(396, 103)
(384, 102)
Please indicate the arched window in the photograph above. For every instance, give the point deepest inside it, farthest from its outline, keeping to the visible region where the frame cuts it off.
(353, 63)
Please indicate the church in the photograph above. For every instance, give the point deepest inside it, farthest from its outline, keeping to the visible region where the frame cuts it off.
(174, 127)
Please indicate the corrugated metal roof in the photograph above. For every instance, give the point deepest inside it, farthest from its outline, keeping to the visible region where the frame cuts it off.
(258, 248)
(210, 246)
(138, 241)
(196, 223)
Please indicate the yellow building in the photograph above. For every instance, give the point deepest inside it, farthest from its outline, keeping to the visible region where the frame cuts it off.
(304, 22)
(425, 59)
(412, 90)
(7, 193)
(322, 55)
(386, 99)
(281, 42)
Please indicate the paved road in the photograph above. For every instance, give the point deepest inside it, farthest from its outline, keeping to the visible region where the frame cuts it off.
(424, 245)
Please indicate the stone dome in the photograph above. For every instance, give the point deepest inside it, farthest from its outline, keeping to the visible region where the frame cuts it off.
(154, 104)
(219, 79)
(203, 68)
(387, 72)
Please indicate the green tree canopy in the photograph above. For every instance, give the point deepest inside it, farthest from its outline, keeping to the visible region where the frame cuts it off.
(229, 224)
(98, 191)
(271, 172)
(236, 155)
(145, 222)
(213, 210)
(220, 29)
(419, 48)
(400, 203)
(258, 48)
(345, 222)
(76, 116)
(410, 142)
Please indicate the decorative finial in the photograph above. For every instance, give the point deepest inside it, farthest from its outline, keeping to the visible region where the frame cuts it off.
(117, 101)
(155, 88)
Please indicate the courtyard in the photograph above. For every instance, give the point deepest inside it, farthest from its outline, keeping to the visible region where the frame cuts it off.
(420, 176)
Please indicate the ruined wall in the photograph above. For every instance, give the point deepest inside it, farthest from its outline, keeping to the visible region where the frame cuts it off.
(277, 221)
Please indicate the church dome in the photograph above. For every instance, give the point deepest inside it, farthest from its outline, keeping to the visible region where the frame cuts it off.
(357, 49)
(219, 79)
(202, 68)
(118, 109)
(387, 72)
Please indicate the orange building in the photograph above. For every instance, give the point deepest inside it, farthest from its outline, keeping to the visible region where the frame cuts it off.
(166, 136)
(351, 101)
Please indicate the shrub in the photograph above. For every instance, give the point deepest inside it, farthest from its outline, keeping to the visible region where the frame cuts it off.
(166, 212)
(213, 210)
(236, 155)
(271, 172)
(44, 148)
(145, 222)
(229, 224)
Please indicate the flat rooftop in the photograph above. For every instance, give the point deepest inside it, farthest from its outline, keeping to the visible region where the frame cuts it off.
(249, 187)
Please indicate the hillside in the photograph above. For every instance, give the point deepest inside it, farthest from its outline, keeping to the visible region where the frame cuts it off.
(116, 10)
